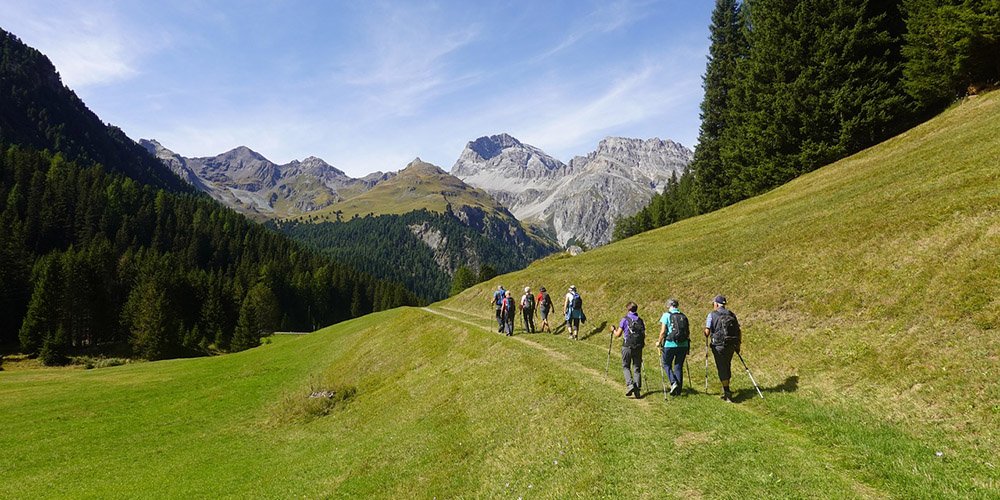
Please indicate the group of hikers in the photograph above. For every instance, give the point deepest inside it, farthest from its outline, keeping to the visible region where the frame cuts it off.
(722, 335)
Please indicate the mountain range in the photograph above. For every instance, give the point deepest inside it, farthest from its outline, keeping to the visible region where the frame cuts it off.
(569, 203)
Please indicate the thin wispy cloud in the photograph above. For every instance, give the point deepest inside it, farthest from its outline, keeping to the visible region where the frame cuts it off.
(605, 19)
(87, 41)
(404, 59)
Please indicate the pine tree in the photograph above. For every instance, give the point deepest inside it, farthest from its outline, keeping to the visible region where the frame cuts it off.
(149, 320)
(55, 346)
(464, 278)
(259, 315)
(42, 316)
(951, 45)
(727, 48)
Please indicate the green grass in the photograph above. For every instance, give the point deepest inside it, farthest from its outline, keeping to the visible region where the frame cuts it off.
(868, 292)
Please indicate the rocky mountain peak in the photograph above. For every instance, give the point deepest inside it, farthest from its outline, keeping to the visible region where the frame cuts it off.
(491, 146)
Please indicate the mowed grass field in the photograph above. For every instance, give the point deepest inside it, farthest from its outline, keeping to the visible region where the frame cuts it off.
(868, 291)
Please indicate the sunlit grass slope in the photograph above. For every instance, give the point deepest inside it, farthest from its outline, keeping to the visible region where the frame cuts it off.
(875, 281)
(868, 294)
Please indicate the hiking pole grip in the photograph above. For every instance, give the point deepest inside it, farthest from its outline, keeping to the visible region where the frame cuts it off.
(755, 386)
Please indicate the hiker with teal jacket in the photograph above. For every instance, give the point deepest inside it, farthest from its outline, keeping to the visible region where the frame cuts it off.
(674, 344)
(573, 309)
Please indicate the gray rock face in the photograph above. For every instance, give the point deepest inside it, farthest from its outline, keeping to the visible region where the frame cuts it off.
(252, 184)
(579, 201)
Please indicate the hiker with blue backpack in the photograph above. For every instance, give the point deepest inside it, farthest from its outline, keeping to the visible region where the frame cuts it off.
(634, 331)
(723, 330)
(573, 310)
(498, 305)
(674, 344)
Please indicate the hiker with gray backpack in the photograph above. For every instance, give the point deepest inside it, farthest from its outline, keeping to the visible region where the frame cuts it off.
(722, 331)
(674, 344)
(634, 331)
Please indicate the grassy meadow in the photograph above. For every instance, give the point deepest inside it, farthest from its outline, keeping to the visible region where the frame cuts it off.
(868, 291)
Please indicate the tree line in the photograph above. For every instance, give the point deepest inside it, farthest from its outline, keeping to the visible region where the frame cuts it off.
(96, 262)
(388, 247)
(792, 85)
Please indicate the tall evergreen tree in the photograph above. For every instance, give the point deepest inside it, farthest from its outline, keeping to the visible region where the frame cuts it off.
(42, 317)
(951, 45)
(259, 315)
(727, 48)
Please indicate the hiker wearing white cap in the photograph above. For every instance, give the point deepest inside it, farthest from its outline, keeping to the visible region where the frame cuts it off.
(528, 310)
(573, 310)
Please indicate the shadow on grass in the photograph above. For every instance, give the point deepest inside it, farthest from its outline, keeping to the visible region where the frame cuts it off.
(600, 328)
(791, 384)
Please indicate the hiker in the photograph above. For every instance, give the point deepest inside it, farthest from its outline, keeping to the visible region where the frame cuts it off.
(544, 306)
(497, 303)
(528, 310)
(634, 330)
(507, 311)
(723, 328)
(674, 344)
(573, 310)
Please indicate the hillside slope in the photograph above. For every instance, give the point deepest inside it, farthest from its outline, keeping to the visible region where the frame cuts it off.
(867, 290)
(875, 280)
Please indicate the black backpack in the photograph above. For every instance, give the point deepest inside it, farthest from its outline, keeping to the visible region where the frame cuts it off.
(636, 335)
(577, 302)
(679, 329)
(726, 329)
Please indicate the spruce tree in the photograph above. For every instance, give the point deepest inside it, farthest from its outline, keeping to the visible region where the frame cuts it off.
(42, 316)
(727, 48)
(464, 278)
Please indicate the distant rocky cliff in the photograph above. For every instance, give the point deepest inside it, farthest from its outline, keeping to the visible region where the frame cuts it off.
(576, 201)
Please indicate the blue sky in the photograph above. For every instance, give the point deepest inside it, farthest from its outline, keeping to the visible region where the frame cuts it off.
(370, 85)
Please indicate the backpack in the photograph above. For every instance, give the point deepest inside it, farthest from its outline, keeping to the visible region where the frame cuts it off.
(635, 336)
(498, 297)
(576, 302)
(508, 304)
(545, 301)
(528, 301)
(679, 329)
(727, 328)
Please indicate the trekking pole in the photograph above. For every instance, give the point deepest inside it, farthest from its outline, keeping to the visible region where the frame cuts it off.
(706, 365)
(663, 382)
(687, 362)
(611, 339)
(751, 375)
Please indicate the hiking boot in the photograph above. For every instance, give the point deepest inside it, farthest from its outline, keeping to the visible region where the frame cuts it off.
(638, 393)
(727, 397)
(673, 389)
(631, 389)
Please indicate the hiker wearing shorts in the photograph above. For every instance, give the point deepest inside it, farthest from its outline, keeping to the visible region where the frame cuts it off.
(634, 330)
(573, 310)
(722, 327)
(674, 344)
(544, 306)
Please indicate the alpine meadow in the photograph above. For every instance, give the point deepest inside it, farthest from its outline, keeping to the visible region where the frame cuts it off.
(868, 295)
(258, 323)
